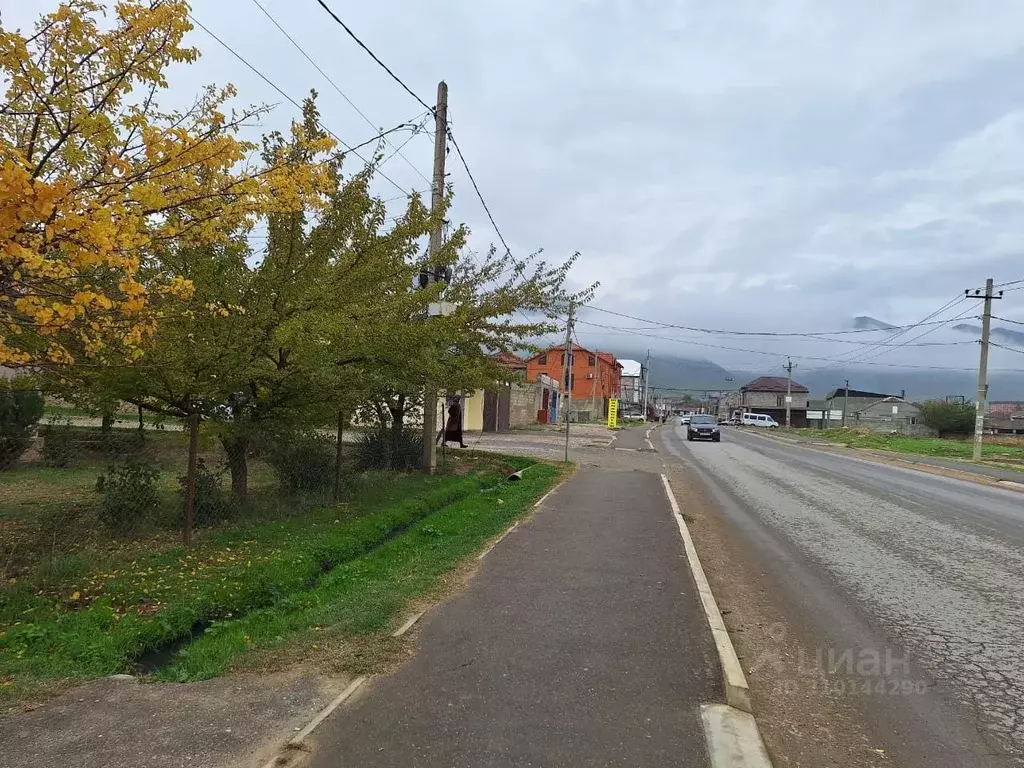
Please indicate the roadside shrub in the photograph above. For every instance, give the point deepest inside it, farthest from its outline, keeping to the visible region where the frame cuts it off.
(19, 413)
(63, 443)
(58, 444)
(130, 493)
(302, 461)
(211, 503)
(948, 418)
(386, 449)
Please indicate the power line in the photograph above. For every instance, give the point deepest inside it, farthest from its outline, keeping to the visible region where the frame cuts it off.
(627, 329)
(910, 341)
(335, 85)
(373, 56)
(779, 354)
(458, 149)
(277, 88)
(1004, 346)
(479, 194)
(1007, 320)
(723, 332)
(862, 354)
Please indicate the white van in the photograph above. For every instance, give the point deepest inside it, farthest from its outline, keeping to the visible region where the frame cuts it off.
(758, 420)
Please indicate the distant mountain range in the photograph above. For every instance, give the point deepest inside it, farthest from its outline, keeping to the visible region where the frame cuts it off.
(1002, 335)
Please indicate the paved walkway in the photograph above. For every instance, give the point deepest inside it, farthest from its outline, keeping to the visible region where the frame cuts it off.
(634, 438)
(580, 642)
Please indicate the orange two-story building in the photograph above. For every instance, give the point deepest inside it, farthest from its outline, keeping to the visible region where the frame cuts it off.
(594, 376)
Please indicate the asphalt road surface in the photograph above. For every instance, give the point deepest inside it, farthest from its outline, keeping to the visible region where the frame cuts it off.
(917, 579)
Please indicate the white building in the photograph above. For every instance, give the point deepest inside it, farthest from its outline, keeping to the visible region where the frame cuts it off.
(632, 382)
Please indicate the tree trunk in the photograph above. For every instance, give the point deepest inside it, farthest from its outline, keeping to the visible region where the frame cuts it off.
(108, 421)
(142, 426)
(397, 425)
(236, 447)
(337, 457)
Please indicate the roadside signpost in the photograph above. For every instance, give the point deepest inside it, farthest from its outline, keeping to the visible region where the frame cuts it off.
(613, 413)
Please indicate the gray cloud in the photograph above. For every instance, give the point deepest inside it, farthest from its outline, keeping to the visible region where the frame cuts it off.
(779, 165)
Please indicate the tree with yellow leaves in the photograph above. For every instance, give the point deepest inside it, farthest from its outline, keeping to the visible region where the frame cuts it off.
(96, 182)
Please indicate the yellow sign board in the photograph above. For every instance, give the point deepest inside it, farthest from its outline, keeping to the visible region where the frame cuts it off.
(613, 413)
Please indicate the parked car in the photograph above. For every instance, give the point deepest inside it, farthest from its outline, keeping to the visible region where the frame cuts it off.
(703, 427)
(759, 420)
(685, 419)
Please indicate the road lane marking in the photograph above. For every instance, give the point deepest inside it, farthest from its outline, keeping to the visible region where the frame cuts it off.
(737, 693)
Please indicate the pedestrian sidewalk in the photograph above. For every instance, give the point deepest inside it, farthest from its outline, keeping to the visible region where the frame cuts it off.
(581, 641)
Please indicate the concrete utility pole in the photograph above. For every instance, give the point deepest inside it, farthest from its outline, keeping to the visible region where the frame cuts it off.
(647, 380)
(846, 401)
(436, 201)
(567, 376)
(789, 389)
(979, 406)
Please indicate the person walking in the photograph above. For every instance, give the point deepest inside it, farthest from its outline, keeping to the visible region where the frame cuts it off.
(453, 427)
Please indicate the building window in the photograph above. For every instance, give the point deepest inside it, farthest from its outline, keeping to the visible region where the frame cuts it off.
(542, 360)
(781, 401)
(591, 361)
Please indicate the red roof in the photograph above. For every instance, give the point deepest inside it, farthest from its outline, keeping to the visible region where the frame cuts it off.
(510, 361)
(772, 384)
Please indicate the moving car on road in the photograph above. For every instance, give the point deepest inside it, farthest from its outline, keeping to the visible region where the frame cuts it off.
(703, 426)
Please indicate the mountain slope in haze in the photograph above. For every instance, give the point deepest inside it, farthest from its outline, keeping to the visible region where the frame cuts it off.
(865, 323)
(1003, 335)
(682, 373)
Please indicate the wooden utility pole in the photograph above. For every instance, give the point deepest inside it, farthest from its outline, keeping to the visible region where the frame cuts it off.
(567, 376)
(647, 380)
(846, 401)
(436, 202)
(979, 405)
(789, 389)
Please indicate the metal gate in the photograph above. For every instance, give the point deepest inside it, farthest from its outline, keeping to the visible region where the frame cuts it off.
(497, 407)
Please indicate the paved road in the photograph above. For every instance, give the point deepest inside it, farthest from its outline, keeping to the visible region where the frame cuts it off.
(883, 560)
(579, 643)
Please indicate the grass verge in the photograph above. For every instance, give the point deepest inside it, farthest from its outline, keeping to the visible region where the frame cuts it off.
(102, 614)
(364, 598)
(917, 446)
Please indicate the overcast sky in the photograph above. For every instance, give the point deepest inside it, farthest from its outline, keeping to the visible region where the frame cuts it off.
(752, 164)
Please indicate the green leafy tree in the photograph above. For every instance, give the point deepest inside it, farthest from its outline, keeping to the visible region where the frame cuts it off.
(20, 411)
(948, 418)
(281, 338)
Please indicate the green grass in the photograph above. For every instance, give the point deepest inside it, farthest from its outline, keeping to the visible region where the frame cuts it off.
(90, 616)
(918, 446)
(365, 597)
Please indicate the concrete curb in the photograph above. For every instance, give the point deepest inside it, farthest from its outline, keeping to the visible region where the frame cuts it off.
(737, 692)
(733, 738)
(297, 741)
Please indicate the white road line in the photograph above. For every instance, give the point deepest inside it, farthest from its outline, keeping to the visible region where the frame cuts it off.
(733, 738)
(408, 624)
(737, 693)
(650, 445)
(324, 713)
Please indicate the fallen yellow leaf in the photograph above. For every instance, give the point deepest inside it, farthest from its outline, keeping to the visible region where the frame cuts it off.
(75, 596)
